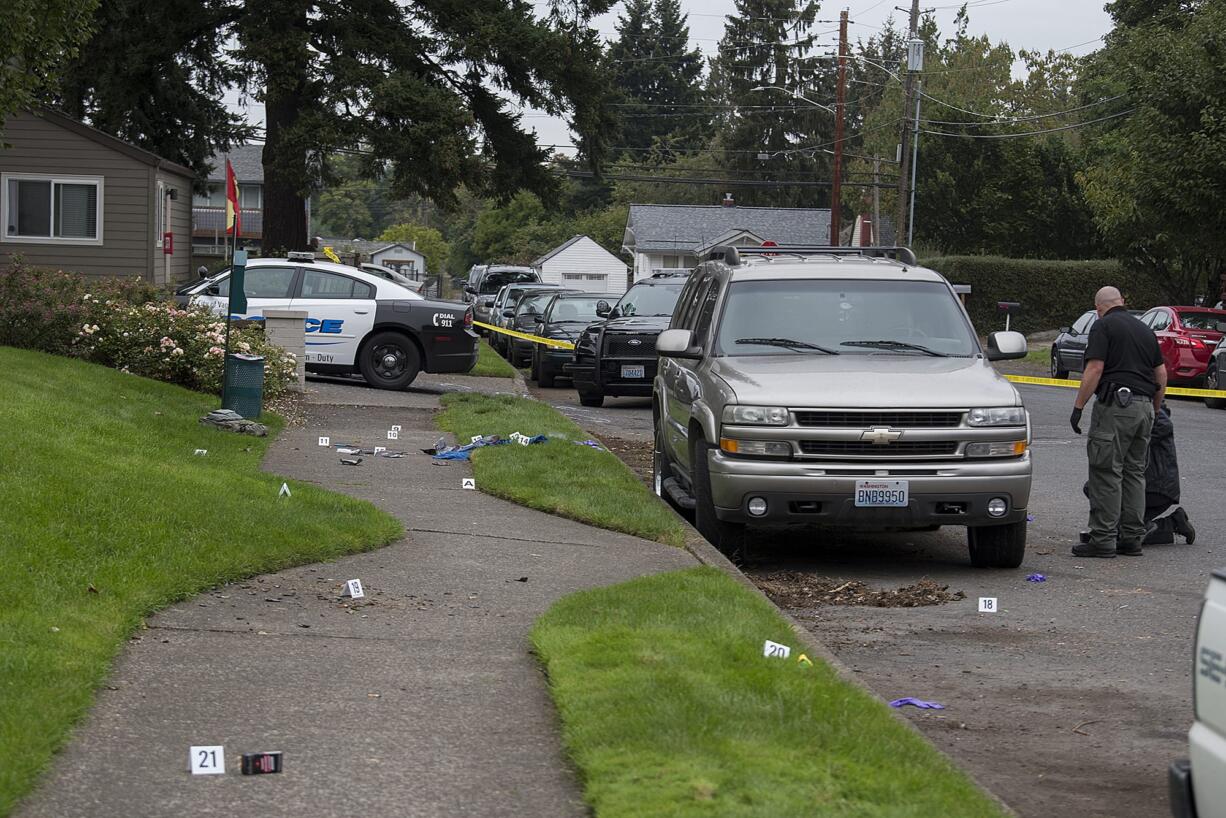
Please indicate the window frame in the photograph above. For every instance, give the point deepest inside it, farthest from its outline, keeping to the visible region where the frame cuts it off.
(354, 282)
(99, 184)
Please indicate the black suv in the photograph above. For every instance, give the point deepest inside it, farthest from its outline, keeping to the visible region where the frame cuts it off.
(618, 355)
(564, 319)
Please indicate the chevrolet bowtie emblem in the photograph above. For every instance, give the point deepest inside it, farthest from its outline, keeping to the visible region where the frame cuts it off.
(881, 435)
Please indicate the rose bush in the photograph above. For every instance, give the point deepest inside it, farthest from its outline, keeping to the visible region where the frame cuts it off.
(129, 325)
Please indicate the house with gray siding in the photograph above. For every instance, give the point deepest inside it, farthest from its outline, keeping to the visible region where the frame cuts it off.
(75, 198)
(209, 205)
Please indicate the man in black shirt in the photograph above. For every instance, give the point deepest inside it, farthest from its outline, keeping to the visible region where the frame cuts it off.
(1125, 373)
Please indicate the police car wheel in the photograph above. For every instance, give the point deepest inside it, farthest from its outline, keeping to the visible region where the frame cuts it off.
(389, 361)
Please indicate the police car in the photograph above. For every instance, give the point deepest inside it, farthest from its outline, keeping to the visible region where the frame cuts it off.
(357, 321)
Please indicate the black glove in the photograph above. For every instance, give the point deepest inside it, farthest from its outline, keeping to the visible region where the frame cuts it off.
(1075, 420)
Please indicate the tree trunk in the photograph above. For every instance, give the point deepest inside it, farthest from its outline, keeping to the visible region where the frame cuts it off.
(286, 180)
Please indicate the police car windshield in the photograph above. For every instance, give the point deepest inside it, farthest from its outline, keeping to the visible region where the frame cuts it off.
(650, 299)
(493, 282)
(853, 316)
(574, 310)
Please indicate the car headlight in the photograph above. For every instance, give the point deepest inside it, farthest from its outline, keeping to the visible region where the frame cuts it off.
(762, 448)
(999, 448)
(997, 416)
(756, 415)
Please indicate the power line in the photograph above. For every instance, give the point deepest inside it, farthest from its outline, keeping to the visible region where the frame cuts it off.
(668, 180)
(1004, 119)
(1029, 133)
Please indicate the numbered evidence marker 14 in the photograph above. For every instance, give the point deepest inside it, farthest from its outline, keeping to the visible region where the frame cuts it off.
(987, 604)
(207, 760)
(324, 441)
(468, 483)
(774, 650)
(353, 588)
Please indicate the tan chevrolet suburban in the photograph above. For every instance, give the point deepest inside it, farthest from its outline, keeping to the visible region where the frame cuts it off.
(838, 387)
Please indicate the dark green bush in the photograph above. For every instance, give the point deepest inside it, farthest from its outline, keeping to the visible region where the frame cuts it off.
(1052, 293)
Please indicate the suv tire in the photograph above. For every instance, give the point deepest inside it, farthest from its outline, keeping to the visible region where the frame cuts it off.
(591, 398)
(729, 538)
(1213, 380)
(534, 372)
(660, 470)
(997, 546)
(1057, 370)
(389, 360)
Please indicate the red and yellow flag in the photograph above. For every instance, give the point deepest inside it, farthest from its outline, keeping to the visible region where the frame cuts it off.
(234, 220)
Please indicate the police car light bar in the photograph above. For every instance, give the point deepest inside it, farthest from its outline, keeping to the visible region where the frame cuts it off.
(732, 255)
(300, 255)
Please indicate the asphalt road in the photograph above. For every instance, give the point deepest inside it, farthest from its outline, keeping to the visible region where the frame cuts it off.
(1074, 697)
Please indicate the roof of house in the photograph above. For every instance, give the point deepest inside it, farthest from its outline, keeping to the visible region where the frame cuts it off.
(406, 247)
(684, 228)
(93, 134)
(247, 161)
(349, 245)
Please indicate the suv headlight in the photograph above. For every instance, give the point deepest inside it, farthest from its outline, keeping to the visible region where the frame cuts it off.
(997, 416)
(756, 415)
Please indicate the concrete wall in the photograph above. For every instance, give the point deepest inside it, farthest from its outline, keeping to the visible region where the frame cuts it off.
(287, 329)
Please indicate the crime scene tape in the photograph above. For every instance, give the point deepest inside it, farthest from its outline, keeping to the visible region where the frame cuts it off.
(1170, 390)
(536, 339)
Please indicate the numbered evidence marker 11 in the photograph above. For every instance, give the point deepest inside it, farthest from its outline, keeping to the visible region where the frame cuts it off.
(324, 441)
(774, 650)
(987, 604)
(468, 483)
(207, 760)
(353, 588)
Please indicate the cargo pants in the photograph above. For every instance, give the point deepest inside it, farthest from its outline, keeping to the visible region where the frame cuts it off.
(1117, 446)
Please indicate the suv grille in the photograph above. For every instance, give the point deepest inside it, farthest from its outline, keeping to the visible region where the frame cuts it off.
(897, 420)
(855, 448)
(620, 346)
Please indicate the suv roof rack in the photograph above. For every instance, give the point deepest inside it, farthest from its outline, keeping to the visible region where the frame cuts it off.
(732, 255)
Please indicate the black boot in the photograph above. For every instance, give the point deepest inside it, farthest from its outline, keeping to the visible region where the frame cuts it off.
(1183, 526)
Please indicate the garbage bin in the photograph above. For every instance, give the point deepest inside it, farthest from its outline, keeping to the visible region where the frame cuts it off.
(244, 385)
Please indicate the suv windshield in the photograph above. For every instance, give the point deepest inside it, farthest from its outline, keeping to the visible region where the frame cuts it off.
(650, 299)
(850, 316)
(574, 310)
(493, 282)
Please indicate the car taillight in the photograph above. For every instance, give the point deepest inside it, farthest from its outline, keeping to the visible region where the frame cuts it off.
(468, 318)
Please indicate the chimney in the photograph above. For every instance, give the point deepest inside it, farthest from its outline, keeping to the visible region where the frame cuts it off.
(728, 200)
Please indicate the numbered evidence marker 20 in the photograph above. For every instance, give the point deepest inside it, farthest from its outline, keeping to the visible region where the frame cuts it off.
(987, 604)
(774, 650)
(354, 588)
(468, 483)
(207, 760)
(324, 441)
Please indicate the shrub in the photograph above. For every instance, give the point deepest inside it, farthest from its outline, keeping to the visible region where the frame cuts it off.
(128, 325)
(1052, 293)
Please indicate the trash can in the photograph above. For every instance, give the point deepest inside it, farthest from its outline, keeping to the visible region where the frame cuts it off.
(244, 385)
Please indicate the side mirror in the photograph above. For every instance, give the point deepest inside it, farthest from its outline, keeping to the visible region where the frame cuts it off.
(603, 308)
(1067, 331)
(213, 289)
(508, 313)
(676, 343)
(1003, 346)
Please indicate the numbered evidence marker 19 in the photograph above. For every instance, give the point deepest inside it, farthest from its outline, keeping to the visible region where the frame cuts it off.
(353, 588)
(468, 483)
(324, 441)
(774, 650)
(207, 760)
(987, 604)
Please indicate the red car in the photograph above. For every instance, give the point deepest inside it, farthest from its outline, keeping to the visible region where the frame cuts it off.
(1187, 337)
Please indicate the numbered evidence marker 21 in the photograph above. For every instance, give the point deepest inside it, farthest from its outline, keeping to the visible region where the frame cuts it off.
(987, 604)
(207, 760)
(354, 588)
(324, 441)
(468, 483)
(774, 650)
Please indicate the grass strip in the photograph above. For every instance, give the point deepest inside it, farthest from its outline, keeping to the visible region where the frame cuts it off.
(108, 515)
(490, 364)
(558, 477)
(669, 708)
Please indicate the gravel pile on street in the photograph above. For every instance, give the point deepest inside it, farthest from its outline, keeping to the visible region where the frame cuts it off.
(794, 589)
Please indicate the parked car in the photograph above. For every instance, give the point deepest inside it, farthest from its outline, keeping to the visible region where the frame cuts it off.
(815, 386)
(506, 298)
(393, 275)
(618, 355)
(495, 277)
(523, 317)
(1068, 350)
(357, 321)
(1187, 337)
(1198, 783)
(564, 318)
(1214, 377)
(469, 289)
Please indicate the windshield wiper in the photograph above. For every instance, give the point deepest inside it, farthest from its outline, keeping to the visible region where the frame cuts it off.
(894, 345)
(786, 343)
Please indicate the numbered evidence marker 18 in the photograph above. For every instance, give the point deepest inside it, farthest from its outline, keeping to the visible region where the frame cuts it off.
(987, 604)
(207, 760)
(353, 588)
(468, 483)
(324, 441)
(774, 650)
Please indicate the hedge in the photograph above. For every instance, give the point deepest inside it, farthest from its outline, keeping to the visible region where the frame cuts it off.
(1052, 293)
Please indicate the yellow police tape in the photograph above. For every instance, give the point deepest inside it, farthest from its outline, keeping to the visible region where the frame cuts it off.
(1171, 390)
(536, 339)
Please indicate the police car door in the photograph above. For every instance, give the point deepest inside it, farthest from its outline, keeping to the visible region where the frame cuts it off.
(267, 287)
(340, 313)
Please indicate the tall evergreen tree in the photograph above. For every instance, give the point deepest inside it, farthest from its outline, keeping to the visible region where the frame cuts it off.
(679, 96)
(632, 63)
(39, 37)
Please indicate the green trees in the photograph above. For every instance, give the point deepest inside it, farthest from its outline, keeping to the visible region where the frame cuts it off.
(427, 241)
(39, 36)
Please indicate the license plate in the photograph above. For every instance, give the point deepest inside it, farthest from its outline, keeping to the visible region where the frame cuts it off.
(881, 493)
(634, 372)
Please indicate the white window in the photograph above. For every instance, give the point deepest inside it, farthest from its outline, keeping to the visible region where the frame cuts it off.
(51, 209)
(215, 196)
(159, 220)
(672, 262)
(250, 197)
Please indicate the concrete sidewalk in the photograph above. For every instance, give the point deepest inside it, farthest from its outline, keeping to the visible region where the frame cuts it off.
(420, 700)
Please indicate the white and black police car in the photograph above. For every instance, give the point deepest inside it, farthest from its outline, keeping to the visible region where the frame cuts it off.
(357, 321)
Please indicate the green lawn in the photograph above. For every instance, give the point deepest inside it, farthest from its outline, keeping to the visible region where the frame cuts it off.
(490, 364)
(108, 516)
(669, 708)
(558, 477)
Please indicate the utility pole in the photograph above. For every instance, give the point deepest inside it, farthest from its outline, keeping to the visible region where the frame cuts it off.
(836, 189)
(904, 158)
(876, 200)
